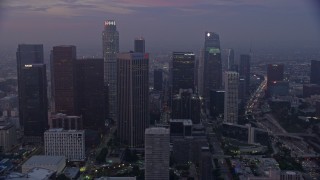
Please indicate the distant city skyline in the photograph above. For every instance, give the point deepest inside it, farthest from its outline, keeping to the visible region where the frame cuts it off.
(166, 25)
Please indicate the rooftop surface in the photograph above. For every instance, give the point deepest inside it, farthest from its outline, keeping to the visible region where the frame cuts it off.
(44, 160)
(33, 174)
(157, 130)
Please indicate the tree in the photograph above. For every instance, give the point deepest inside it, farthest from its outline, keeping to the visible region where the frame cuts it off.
(101, 158)
(130, 156)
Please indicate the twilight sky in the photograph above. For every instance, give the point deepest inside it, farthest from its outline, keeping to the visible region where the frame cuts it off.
(167, 25)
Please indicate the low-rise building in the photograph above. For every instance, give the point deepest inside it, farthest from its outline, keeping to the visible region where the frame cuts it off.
(68, 143)
(72, 172)
(8, 136)
(290, 175)
(54, 163)
(33, 174)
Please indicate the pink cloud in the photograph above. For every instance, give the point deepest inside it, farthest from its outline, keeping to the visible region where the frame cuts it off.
(165, 3)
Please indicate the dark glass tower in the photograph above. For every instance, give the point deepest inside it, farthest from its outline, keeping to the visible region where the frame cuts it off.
(34, 103)
(157, 79)
(63, 79)
(217, 103)
(26, 54)
(186, 105)
(90, 92)
(275, 72)
(183, 64)
(133, 98)
(244, 71)
(139, 45)
(212, 78)
(315, 72)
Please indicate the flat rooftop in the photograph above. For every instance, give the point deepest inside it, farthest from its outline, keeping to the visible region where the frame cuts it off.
(33, 174)
(44, 160)
(71, 171)
(62, 130)
(157, 130)
(116, 178)
(40, 173)
(184, 121)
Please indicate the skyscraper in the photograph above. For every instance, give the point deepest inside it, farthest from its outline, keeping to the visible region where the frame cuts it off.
(231, 97)
(186, 105)
(315, 72)
(274, 73)
(157, 79)
(244, 71)
(90, 92)
(242, 92)
(206, 164)
(110, 43)
(228, 59)
(34, 102)
(216, 103)
(183, 64)
(200, 73)
(133, 98)
(27, 54)
(212, 78)
(157, 153)
(139, 45)
(63, 79)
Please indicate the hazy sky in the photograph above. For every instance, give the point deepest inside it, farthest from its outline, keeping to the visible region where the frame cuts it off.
(165, 24)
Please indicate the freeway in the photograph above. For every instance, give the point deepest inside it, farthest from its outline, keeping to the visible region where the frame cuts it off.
(254, 100)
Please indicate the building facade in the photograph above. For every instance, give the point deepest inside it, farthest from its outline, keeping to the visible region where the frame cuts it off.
(200, 73)
(157, 79)
(133, 98)
(66, 122)
(231, 97)
(8, 136)
(217, 103)
(183, 64)
(157, 153)
(206, 167)
(244, 71)
(242, 91)
(228, 59)
(279, 88)
(212, 78)
(311, 89)
(63, 79)
(186, 105)
(90, 92)
(34, 100)
(139, 45)
(26, 54)
(314, 72)
(110, 48)
(68, 143)
(275, 72)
